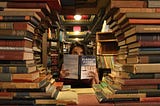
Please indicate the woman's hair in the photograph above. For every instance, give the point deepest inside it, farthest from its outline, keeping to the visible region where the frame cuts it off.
(78, 44)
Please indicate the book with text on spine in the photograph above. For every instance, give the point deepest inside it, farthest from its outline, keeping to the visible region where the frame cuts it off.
(79, 67)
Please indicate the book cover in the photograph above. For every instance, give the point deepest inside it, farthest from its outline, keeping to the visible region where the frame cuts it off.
(79, 66)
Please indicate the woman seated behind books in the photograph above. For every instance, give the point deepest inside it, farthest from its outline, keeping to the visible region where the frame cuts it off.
(78, 48)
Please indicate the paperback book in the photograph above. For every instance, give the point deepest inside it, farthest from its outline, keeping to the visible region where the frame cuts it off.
(79, 67)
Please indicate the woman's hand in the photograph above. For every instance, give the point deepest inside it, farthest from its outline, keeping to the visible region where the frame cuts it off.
(64, 73)
(95, 77)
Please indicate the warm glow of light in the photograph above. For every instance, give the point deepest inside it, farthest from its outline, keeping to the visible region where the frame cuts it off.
(77, 28)
(77, 17)
(76, 39)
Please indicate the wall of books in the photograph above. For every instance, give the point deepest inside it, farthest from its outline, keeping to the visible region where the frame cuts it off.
(24, 79)
(135, 76)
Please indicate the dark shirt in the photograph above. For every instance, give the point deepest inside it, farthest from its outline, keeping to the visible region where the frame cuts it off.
(77, 83)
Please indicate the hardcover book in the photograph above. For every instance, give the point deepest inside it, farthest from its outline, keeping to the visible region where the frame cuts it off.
(143, 59)
(142, 68)
(17, 68)
(142, 29)
(16, 43)
(79, 66)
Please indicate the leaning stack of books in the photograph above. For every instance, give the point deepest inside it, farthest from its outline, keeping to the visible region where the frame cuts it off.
(21, 81)
(135, 77)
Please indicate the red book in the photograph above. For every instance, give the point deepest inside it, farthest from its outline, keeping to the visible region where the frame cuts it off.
(15, 55)
(150, 99)
(16, 42)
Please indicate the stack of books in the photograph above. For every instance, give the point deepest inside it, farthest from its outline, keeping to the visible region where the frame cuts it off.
(135, 77)
(21, 79)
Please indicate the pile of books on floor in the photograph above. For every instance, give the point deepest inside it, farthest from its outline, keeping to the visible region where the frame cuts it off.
(135, 78)
(21, 81)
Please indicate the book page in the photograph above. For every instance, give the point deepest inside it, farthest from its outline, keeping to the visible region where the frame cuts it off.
(88, 64)
(71, 63)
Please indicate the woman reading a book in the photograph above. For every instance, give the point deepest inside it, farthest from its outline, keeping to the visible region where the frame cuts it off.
(78, 48)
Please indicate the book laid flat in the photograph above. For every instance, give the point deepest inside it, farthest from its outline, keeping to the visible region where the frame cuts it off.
(20, 77)
(10, 48)
(142, 68)
(110, 95)
(137, 81)
(144, 44)
(121, 11)
(133, 87)
(38, 11)
(20, 13)
(16, 62)
(71, 98)
(138, 15)
(27, 5)
(124, 74)
(144, 37)
(15, 55)
(129, 3)
(142, 29)
(18, 26)
(15, 34)
(144, 51)
(143, 59)
(153, 3)
(38, 83)
(79, 66)
(25, 18)
(26, 42)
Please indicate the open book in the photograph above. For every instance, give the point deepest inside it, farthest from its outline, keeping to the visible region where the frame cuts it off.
(79, 66)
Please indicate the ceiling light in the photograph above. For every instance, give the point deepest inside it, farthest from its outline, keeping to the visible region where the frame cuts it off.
(77, 17)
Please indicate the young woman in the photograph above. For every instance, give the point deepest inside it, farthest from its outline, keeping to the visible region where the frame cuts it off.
(78, 48)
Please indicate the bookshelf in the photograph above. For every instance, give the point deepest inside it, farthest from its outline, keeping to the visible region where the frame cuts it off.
(55, 51)
(106, 50)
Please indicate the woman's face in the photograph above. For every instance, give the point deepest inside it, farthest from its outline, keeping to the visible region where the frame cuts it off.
(77, 51)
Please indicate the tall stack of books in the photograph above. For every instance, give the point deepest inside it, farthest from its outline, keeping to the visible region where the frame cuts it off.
(21, 29)
(135, 77)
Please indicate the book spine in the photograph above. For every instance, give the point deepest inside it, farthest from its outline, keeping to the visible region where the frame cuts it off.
(6, 25)
(17, 33)
(17, 101)
(23, 26)
(15, 55)
(5, 69)
(16, 43)
(5, 77)
(150, 99)
(31, 19)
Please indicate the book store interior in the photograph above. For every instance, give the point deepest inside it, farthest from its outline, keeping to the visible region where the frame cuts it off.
(79, 53)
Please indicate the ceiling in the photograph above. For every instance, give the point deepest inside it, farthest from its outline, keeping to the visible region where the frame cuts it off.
(92, 12)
